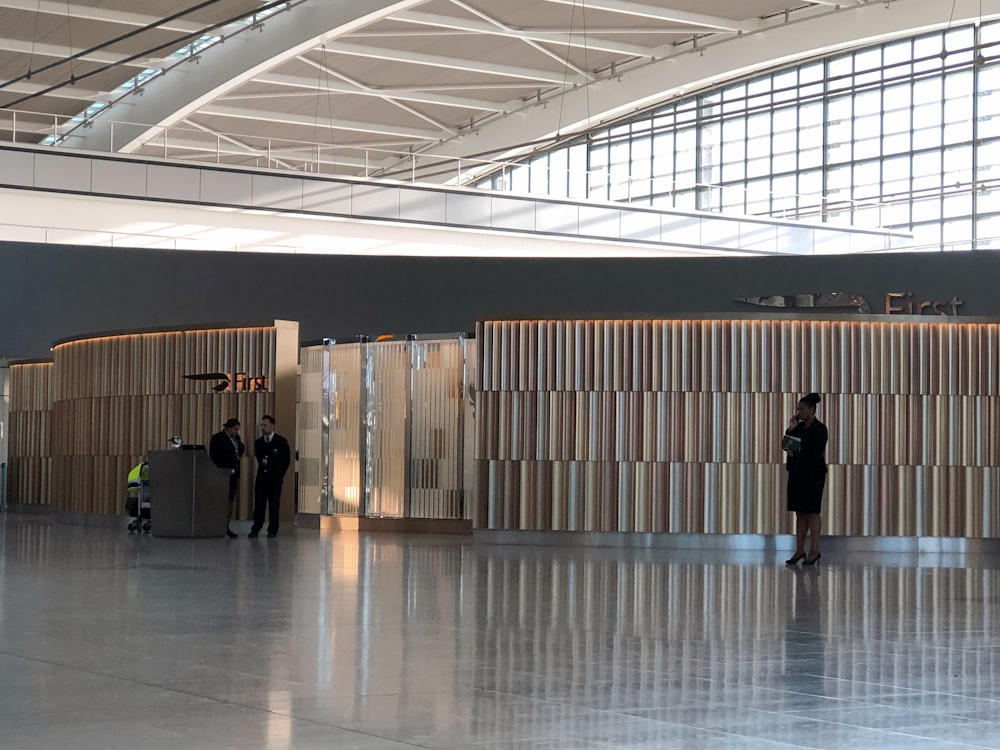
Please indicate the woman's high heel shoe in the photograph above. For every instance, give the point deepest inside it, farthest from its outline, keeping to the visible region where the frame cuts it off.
(813, 561)
(795, 559)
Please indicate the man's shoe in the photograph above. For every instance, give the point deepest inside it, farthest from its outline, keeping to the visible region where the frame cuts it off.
(253, 534)
(271, 536)
(231, 534)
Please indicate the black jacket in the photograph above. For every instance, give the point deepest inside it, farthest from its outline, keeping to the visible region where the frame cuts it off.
(811, 459)
(278, 458)
(220, 450)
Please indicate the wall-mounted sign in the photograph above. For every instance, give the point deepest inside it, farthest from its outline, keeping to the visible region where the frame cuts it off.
(827, 300)
(905, 303)
(239, 382)
(896, 303)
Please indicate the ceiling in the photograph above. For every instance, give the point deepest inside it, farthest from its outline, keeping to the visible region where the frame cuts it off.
(343, 87)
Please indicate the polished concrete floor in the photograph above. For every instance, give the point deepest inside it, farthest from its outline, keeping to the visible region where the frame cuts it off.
(391, 643)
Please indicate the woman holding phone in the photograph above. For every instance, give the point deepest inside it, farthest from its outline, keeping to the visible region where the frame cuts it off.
(805, 443)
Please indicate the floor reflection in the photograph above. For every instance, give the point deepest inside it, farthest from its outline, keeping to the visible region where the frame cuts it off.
(381, 641)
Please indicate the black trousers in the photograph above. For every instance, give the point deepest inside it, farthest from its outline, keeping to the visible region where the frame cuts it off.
(266, 496)
(234, 489)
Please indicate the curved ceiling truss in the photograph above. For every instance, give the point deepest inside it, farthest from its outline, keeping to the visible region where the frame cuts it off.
(393, 87)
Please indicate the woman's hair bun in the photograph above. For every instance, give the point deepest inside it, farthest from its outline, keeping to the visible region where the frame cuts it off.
(811, 398)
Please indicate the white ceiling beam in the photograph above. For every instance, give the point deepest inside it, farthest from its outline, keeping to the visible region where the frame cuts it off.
(493, 23)
(284, 118)
(668, 15)
(91, 13)
(519, 86)
(59, 51)
(577, 39)
(559, 30)
(311, 85)
(362, 88)
(224, 68)
(66, 92)
(454, 63)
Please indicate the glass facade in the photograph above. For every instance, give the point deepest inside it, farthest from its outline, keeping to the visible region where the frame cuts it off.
(903, 135)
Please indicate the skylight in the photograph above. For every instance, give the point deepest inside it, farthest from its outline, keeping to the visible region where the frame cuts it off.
(187, 52)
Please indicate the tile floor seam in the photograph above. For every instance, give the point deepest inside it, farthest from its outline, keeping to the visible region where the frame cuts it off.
(342, 641)
(208, 698)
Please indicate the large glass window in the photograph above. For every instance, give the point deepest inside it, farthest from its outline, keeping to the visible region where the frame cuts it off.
(904, 135)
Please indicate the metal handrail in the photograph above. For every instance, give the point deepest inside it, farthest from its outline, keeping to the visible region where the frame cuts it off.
(374, 162)
(49, 235)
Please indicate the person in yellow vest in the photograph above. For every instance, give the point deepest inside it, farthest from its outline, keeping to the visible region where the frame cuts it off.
(138, 497)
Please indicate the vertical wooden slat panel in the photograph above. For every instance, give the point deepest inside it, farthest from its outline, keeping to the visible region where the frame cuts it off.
(686, 416)
(115, 398)
(29, 460)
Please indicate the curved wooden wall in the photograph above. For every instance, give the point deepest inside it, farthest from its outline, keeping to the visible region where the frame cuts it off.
(118, 397)
(29, 461)
(674, 425)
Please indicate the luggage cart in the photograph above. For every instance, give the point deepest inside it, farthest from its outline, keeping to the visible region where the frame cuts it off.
(137, 504)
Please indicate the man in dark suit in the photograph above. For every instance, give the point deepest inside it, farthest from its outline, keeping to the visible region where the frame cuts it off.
(226, 451)
(273, 460)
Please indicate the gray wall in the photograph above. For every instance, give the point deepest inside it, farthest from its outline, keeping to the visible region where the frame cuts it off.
(51, 292)
(4, 430)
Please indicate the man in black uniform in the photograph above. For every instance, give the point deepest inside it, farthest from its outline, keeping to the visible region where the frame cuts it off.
(273, 460)
(226, 451)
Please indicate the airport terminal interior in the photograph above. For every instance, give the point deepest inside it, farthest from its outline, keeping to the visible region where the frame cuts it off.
(528, 374)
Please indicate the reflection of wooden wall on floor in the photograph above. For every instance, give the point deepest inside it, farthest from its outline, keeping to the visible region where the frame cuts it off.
(674, 426)
(118, 397)
(29, 459)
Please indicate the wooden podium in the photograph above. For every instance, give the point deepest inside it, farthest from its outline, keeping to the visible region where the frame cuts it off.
(189, 495)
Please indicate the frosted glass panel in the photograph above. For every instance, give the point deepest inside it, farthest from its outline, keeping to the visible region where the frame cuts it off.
(345, 429)
(385, 428)
(436, 449)
(387, 378)
(312, 480)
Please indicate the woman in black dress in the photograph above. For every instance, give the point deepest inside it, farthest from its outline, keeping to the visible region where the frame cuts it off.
(805, 444)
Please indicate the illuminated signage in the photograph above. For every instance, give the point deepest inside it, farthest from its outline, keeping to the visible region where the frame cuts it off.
(237, 382)
(896, 303)
(906, 303)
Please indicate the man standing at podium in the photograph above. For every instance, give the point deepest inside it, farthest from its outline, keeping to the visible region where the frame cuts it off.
(226, 451)
(273, 459)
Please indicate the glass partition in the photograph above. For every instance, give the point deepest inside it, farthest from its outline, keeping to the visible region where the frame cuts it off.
(385, 427)
(344, 430)
(387, 437)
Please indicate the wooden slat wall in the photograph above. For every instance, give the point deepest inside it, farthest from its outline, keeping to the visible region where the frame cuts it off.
(118, 397)
(29, 453)
(674, 426)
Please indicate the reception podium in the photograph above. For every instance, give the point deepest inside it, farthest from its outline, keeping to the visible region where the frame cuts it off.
(189, 495)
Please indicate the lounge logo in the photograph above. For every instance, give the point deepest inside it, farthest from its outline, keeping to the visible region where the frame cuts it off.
(906, 303)
(236, 382)
(823, 300)
(896, 303)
